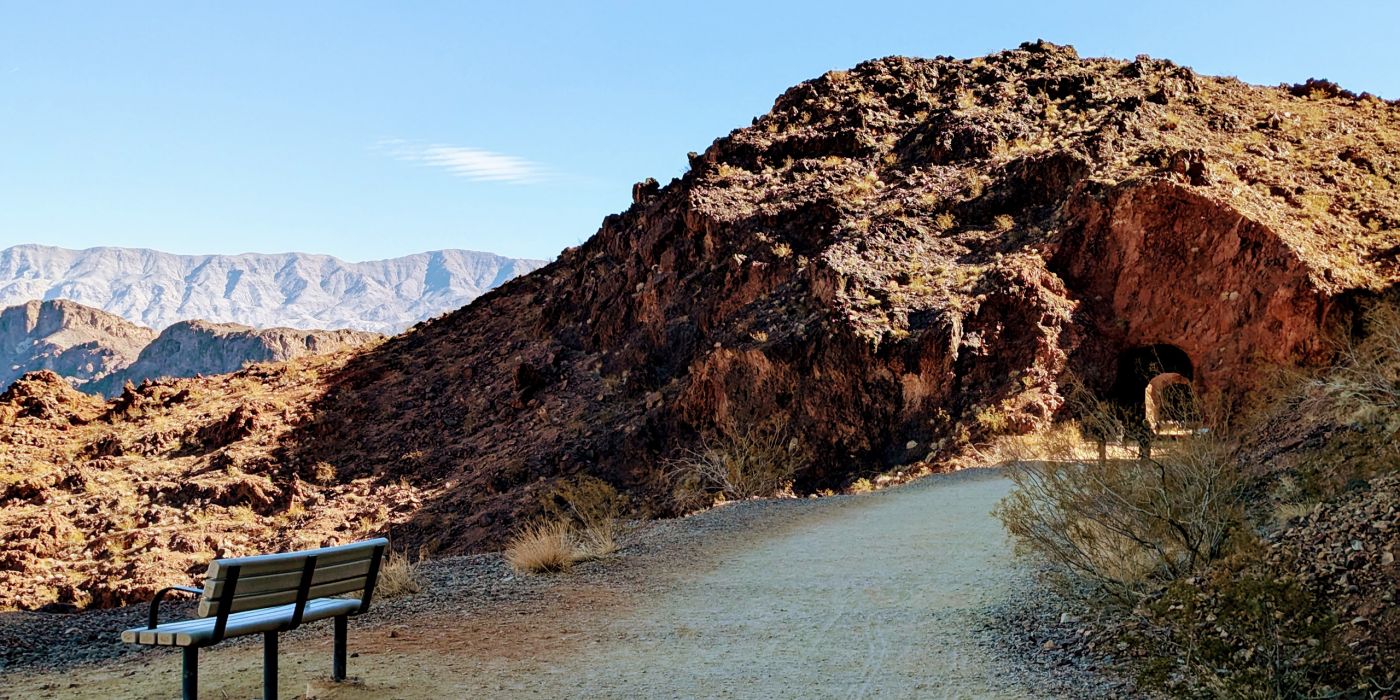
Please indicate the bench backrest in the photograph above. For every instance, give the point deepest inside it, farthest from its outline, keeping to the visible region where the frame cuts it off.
(292, 577)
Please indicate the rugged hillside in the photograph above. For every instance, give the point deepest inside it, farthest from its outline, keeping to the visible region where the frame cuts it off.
(81, 343)
(894, 263)
(191, 348)
(292, 289)
(98, 352)
(103, 503)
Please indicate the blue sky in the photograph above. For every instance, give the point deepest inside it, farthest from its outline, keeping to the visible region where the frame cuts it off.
(373, 129)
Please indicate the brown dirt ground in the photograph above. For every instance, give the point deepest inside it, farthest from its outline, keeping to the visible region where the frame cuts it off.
(866, 596)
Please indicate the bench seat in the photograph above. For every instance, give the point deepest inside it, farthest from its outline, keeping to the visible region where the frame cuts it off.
(197, 632)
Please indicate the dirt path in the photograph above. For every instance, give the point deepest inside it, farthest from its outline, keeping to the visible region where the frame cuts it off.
(867, 596)
(876, 601)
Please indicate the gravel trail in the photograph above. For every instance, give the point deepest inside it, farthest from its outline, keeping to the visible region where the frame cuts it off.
(878, 600)
(874, 596)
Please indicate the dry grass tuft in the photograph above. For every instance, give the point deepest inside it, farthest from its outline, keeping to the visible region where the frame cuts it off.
(541, 548)
(397, 577)
(583, 524)
(595, 542)
(591, 509)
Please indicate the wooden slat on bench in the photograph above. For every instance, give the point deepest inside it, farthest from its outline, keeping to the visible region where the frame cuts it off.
(292, 561)
(241, 602)
(253, 585)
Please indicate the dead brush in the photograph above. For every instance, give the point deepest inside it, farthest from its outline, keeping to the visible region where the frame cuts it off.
(760, 460)
(1125, 525)
(1366, 376)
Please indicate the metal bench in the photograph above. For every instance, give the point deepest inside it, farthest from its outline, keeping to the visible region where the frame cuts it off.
(268, 594)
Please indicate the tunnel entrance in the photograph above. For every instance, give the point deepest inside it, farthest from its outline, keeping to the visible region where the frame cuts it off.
(1169, 404)
(1154, 385)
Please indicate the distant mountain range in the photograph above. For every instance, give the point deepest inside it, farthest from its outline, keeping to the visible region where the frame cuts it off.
(99, 352)
(294, 290)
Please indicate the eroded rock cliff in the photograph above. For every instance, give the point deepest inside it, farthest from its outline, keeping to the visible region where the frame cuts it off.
(80, 343)
(191, 348)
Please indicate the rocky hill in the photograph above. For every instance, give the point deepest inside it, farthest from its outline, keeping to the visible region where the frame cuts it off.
(297, 290)
(895, 263)
(81, 343)
(98, 352)
(191, 348)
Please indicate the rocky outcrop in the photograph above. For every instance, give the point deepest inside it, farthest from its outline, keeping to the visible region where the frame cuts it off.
(192, 348)
(47, 398)
(99, 353)
(298, 290)
(894, 264)
(79, 343)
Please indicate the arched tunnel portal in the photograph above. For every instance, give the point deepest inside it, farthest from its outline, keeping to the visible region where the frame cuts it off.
(1154, 385)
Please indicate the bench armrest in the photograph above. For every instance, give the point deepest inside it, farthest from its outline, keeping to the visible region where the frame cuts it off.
(155, 602)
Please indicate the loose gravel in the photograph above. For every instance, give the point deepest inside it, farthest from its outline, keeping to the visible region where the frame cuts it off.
(908, 592)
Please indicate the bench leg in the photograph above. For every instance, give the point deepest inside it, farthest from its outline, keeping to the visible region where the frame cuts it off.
(338, 658)
(269, 666)
(189, 674)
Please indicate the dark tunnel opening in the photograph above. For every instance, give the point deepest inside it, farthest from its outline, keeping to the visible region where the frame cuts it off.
(1154, 383)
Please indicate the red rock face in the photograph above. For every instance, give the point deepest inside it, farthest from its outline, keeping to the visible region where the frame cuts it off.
(887, 266)
(1156, 263)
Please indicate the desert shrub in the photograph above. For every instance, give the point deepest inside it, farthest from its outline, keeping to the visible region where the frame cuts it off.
(1220, 609)
(323, 473)
(541, 548)
(1366, 377)
(992, 419)
(1347, 414)
(755, 460)
(591, 509)
(1126, 525)
(398, 576)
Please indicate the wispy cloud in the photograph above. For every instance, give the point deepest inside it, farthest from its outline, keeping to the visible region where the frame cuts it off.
(462, 161)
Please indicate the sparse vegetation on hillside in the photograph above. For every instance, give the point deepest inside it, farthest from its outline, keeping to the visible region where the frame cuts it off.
(129, 494)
